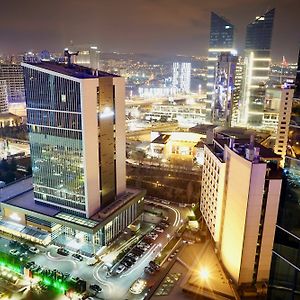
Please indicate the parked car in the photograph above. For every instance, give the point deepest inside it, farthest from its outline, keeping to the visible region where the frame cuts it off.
(120, 269)
(158, 229)
(63, 251)
(96, 288)
(127, 263)
(133, 256)
(34, 250)
(14, 252)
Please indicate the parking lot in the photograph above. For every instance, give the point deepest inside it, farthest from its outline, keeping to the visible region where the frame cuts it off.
(106, 281)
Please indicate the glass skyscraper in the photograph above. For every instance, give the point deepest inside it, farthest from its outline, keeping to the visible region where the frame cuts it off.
(285, 271)
(221, 40)
(74, 128)
(257, 62)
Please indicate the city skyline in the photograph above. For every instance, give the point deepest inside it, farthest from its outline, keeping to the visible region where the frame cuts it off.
(162, 26)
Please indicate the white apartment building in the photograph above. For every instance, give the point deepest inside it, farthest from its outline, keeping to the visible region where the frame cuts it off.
(240, 195)
(213, 182)
(283, 122)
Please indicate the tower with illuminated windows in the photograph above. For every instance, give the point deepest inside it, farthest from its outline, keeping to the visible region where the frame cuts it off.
(257, 65)
(77, 195)
(221, 40)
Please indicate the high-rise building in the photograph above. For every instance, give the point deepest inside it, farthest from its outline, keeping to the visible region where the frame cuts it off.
(285, 271)
(227, 88)
(13, 75)
(3, 97)
(76, 122)
(284, 119)
(239, 201)
(221, 40)
(181, 77)
(257, 66)
(88, 56)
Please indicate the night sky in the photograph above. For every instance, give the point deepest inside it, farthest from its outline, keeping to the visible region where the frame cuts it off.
(141, 26)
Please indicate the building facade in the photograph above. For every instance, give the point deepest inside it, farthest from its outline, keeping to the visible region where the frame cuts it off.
(257, 67)
(284, 120)
(76, 123)
(88, 56)
(13, 75)
(3, 97)
(181, 81)
(239, 200)
(221, 40)
(227, 88)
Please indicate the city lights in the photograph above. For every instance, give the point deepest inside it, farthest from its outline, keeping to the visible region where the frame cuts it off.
(204, 273)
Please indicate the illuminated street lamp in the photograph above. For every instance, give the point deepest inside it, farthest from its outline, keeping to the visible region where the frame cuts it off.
(204, 274)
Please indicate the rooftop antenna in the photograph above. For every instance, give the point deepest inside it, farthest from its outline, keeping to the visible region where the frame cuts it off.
(68, 55)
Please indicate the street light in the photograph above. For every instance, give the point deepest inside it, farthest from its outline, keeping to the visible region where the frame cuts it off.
(204, 274)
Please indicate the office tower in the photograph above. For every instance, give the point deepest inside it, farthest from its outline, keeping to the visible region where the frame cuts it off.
(3, 97)
(88, 56)
(235, 112)
(284, 119)
(76, 123)
(226, 91)
(83, 176)
(257, 66)
(181, 77)
(13, 75)
(285, 271)
(221, 40)
(239, 200)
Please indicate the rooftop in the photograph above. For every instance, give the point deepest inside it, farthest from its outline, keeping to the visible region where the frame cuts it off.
(161, 139)
(72, 70)
(240, 146)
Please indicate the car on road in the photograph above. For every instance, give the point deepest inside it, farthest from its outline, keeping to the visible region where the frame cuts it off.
(96, 288)
(171, 256)
(91, 261)
(165, 202)
(63, 251)
(77, 256)
(149, 270)
(154, 265)
(14, 252)
(34, 250)
(138, 286)
(165, 218)
(120, 269)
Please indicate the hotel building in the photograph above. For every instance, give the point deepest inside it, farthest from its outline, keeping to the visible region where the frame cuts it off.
(239, 203)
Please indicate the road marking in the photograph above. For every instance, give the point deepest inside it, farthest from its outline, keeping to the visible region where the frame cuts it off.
(55, 258)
